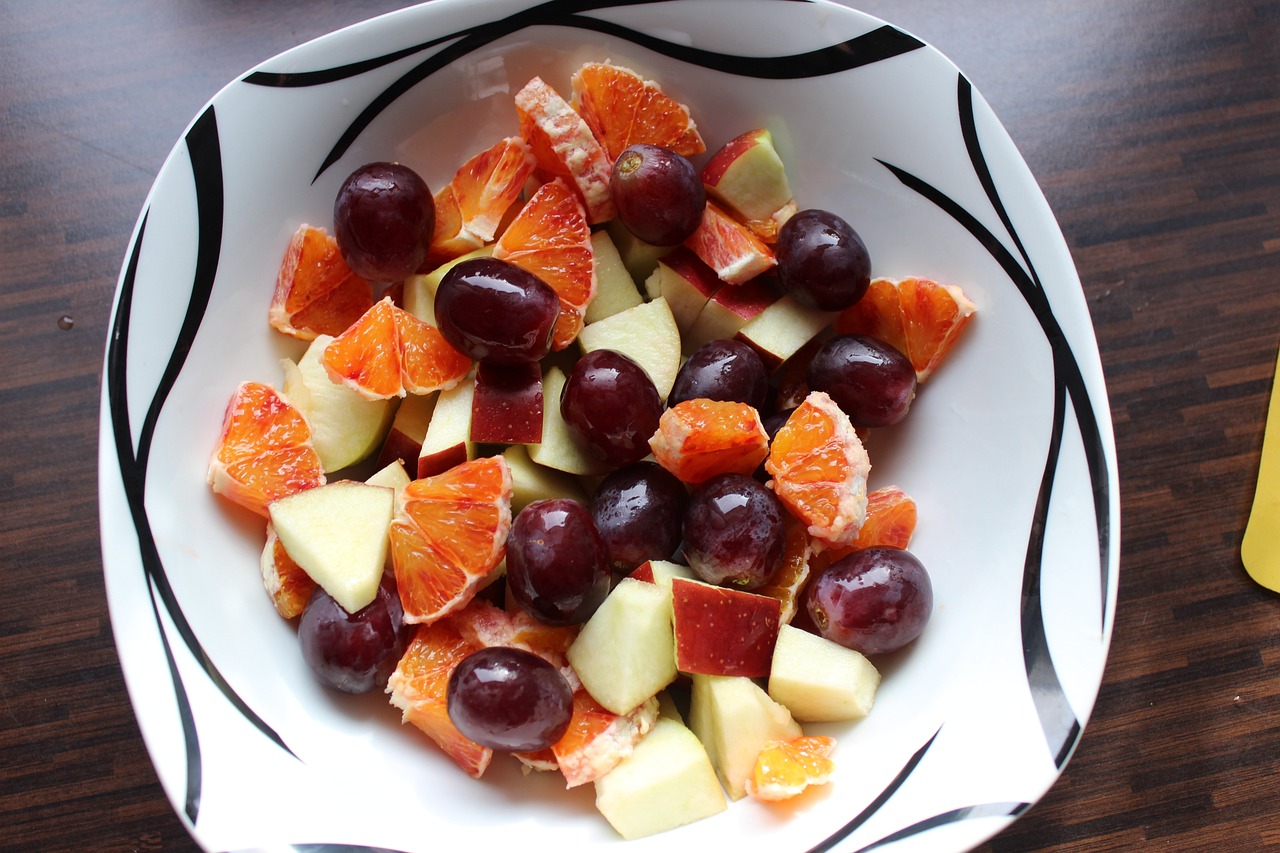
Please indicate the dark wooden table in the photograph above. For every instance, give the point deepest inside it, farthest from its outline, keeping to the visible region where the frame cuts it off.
(1154, 128)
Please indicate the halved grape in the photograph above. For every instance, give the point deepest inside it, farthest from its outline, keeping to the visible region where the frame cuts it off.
(611, 407)
(383, 219)
(495, 311)
(722, 370)
(822, 262)
(869, 380)
(873, 601)
(733, 533)
(658, 193)
(509, 699)
(639, 511)
(354, 652)
(557, 563)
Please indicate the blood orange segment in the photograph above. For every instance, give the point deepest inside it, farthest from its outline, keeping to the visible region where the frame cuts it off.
(316, 292)
(551, 239)
(288, 584)
(564, 146)
(794, 571)
(427, 361)
(700, 439)
(920, 318)
(470, 208)
(418, 688)
(819, 469)
(623, 109)
(891, 521)
(449, 536)
(729, 247)
(597, 739)
(264, 450)
(786, 767)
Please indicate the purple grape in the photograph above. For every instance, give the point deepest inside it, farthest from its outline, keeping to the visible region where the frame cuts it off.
(722, 370)
(869, 380)
(611, 407)
(383, 219)
(658, 193)
(354, 652)
(557, 562)
(495, 311)
(733, 533)
(822, 262)
(873, 601)
(509, 699)
(639, 511)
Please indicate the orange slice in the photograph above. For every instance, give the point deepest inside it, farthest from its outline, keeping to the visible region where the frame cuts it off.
(729, 247)
(920, 318)
(471, 206)
(418, 688)
(623, 109)
(264, 451)
(819, 469)
(550, 238)
(700, 439)
(449, 536)
(389, 352)
(564, 147)
(785, 768)
(891, 521)
(316, 292)
(287, 583)
(794, 571)
(597, 739)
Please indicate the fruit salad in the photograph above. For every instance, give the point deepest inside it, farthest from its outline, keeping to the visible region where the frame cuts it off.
(570, 459)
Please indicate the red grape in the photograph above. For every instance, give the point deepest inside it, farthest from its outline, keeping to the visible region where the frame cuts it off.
(611, 407)
(722, 370)
(869, 380)
(822, 262)
(354, 652)
(639, 511)
(495, 311)
(383, 219)
(557, 563)
(658, 193)
(509, 699)
(874, 601)
(733, 533)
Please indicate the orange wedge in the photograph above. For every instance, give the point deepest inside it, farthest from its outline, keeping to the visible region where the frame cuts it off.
(819, 469)
(597, 739)
(729, 247)
(700, 439)
(564, 147)
(550, 238)
(891, 521)
(264, 450)
(449, 536)
(623, 109)
(471, 206)
(785, 768)
(316, 292)
(920, 318)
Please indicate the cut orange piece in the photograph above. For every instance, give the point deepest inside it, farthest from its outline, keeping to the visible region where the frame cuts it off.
(794, 571)
(920, 318)
(316, 292)
(785, 768)
(623, 109)
(470, 208)
(729, 247)
(819, 469)
(597, 739)
(700, 439)
(550, 238)
(891, 521)
(389, 352)
(287, 583)
(449, 536)
(564, 147)
(418, 688)
(264, 451)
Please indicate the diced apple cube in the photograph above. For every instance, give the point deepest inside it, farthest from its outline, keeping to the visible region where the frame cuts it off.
(748, 177)
(506, 407)
(615, 288)
(533, 482)
(409, 426)
(625, 653)
(820, 681)
(647, 334)
(661, 572)
(720, 631)
(734, 718)
(728, 310)
(667, 782)
(448, 439)
(640, 258)
(392, 476)
(780, 330)
(686, 283)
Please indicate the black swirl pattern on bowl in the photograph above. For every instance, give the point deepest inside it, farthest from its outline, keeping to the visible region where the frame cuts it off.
(1061, 728)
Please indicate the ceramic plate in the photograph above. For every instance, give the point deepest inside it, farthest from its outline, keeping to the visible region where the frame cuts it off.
(1008, 450)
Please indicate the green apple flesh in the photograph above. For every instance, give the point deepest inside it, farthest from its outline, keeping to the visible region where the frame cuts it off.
(734, 718)
(615, 288)
(748, 177)
(820, 681)
(647, 334)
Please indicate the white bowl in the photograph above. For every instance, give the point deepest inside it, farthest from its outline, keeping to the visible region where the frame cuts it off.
(1008, 450)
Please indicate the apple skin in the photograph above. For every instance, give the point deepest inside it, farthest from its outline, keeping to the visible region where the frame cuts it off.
(507, 405)
(720, 631)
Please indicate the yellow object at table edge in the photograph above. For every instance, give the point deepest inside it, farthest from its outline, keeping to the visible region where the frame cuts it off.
(1260, 548)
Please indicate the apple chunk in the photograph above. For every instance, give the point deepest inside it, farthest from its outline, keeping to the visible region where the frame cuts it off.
(686, 283)
(647, 334)
(667, 782)
(409, 426)
(748, 177)
(779, 331)
(615, 288)
(625, 652)
(820, 681)
(448, 438)
(721, 631)
(532, 482)
(507, 405)
(728, 310)
(734, 718)
(661, 572)
(338, 534)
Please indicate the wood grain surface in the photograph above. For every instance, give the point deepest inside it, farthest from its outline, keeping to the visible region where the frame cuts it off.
(1153, 127)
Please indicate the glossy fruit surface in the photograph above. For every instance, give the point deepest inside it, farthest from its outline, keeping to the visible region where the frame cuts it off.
(733, 532)
(611, 407)
(557, 563)
(785, 768)
(383, 219)
(658, 194)
(869, 380)
(509, 699)
(495, 311)
(639, 511)
(872, 601)
(353, 652)
(822, 261)
(722, 370)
